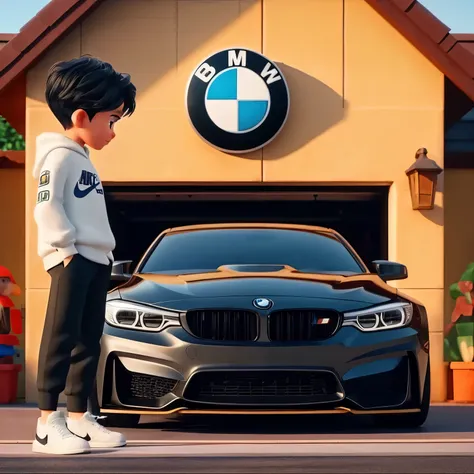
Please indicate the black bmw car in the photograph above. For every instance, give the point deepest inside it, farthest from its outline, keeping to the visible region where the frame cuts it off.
(264, 319)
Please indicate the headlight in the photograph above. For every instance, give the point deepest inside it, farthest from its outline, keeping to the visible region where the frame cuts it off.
(128, 315)
(388, 316)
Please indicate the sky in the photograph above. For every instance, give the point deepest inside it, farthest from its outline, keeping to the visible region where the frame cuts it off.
(457, 14)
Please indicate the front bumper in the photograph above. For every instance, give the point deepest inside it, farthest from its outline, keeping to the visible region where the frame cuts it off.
(173, 371)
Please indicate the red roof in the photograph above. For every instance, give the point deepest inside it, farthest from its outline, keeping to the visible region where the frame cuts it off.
(451, 54)
(6, 37)
(36, 36)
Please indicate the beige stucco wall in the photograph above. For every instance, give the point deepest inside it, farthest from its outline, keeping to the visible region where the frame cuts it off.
(363, 101)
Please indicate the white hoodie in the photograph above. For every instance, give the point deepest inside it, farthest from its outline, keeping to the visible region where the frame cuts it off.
(70, 208)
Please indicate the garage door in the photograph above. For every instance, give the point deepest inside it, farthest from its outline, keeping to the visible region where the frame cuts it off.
(139, 213)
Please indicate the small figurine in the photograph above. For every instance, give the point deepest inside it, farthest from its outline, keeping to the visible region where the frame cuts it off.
(10, 319)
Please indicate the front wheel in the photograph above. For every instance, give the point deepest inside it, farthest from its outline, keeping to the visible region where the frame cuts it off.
(409, 420)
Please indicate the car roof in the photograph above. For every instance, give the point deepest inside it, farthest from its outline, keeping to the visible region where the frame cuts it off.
(249, 225)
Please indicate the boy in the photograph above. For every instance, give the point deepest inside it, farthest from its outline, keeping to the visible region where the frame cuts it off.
(75, 241)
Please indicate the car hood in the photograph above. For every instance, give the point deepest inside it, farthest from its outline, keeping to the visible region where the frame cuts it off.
(227, 283)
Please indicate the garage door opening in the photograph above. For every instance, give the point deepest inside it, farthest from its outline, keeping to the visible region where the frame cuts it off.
(139, 213)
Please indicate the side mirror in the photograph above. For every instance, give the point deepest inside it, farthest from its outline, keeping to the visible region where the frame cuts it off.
(121, 270)
(390, 270)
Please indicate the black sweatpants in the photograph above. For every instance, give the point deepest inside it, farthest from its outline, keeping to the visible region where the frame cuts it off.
(70, 346)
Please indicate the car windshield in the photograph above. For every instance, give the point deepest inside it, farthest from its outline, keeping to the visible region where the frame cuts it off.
(206, 250)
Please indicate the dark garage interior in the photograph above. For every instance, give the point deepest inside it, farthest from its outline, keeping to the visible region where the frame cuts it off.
(139, 213)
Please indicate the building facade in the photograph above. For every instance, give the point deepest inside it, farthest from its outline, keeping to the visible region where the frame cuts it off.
(365, 93)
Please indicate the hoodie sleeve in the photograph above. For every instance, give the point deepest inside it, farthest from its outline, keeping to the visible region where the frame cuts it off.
(53, 224)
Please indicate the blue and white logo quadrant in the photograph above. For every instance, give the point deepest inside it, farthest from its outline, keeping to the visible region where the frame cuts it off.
(237, 100)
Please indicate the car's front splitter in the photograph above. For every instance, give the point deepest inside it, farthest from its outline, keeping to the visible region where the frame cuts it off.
(182, 410)
(384, 376)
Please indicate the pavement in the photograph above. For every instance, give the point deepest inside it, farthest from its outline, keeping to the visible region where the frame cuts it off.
(264, 444)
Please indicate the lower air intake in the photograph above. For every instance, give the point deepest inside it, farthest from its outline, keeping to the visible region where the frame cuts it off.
(141, 389)
(264, 387)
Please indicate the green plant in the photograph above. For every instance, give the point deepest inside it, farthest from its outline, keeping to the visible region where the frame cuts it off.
(10, 139)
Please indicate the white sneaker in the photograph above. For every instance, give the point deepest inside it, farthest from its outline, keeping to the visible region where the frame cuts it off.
(98, 436)
(53, 437)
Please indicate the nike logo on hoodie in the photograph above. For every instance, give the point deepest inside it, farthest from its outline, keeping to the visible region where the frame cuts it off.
(91, 181)
(82, 193)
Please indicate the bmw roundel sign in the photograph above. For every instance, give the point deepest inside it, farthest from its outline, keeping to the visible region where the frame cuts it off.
(237, 100)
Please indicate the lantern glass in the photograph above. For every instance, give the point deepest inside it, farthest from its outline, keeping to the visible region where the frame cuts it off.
(427, 187)
(413, 180)
(422, 189)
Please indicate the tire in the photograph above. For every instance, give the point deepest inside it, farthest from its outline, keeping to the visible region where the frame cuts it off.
(409, 420)
(113, 419)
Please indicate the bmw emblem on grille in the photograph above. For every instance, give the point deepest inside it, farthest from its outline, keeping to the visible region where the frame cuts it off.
(263, 303)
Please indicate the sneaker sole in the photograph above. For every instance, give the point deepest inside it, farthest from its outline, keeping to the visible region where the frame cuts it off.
(99, 444)
(39, 448)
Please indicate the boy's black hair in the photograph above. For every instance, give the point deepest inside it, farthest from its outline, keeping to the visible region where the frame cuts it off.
(89, 84)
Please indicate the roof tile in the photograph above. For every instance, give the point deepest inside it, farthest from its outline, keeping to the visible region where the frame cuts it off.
(448, 43)
(463, 53)
(404, 4)
(5, 37)
(434, 28)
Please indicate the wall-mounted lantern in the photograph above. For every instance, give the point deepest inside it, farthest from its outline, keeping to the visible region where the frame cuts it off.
(423, 178)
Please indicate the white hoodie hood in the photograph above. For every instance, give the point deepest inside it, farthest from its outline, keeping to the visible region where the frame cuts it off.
(70, 208)
(47, 142)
